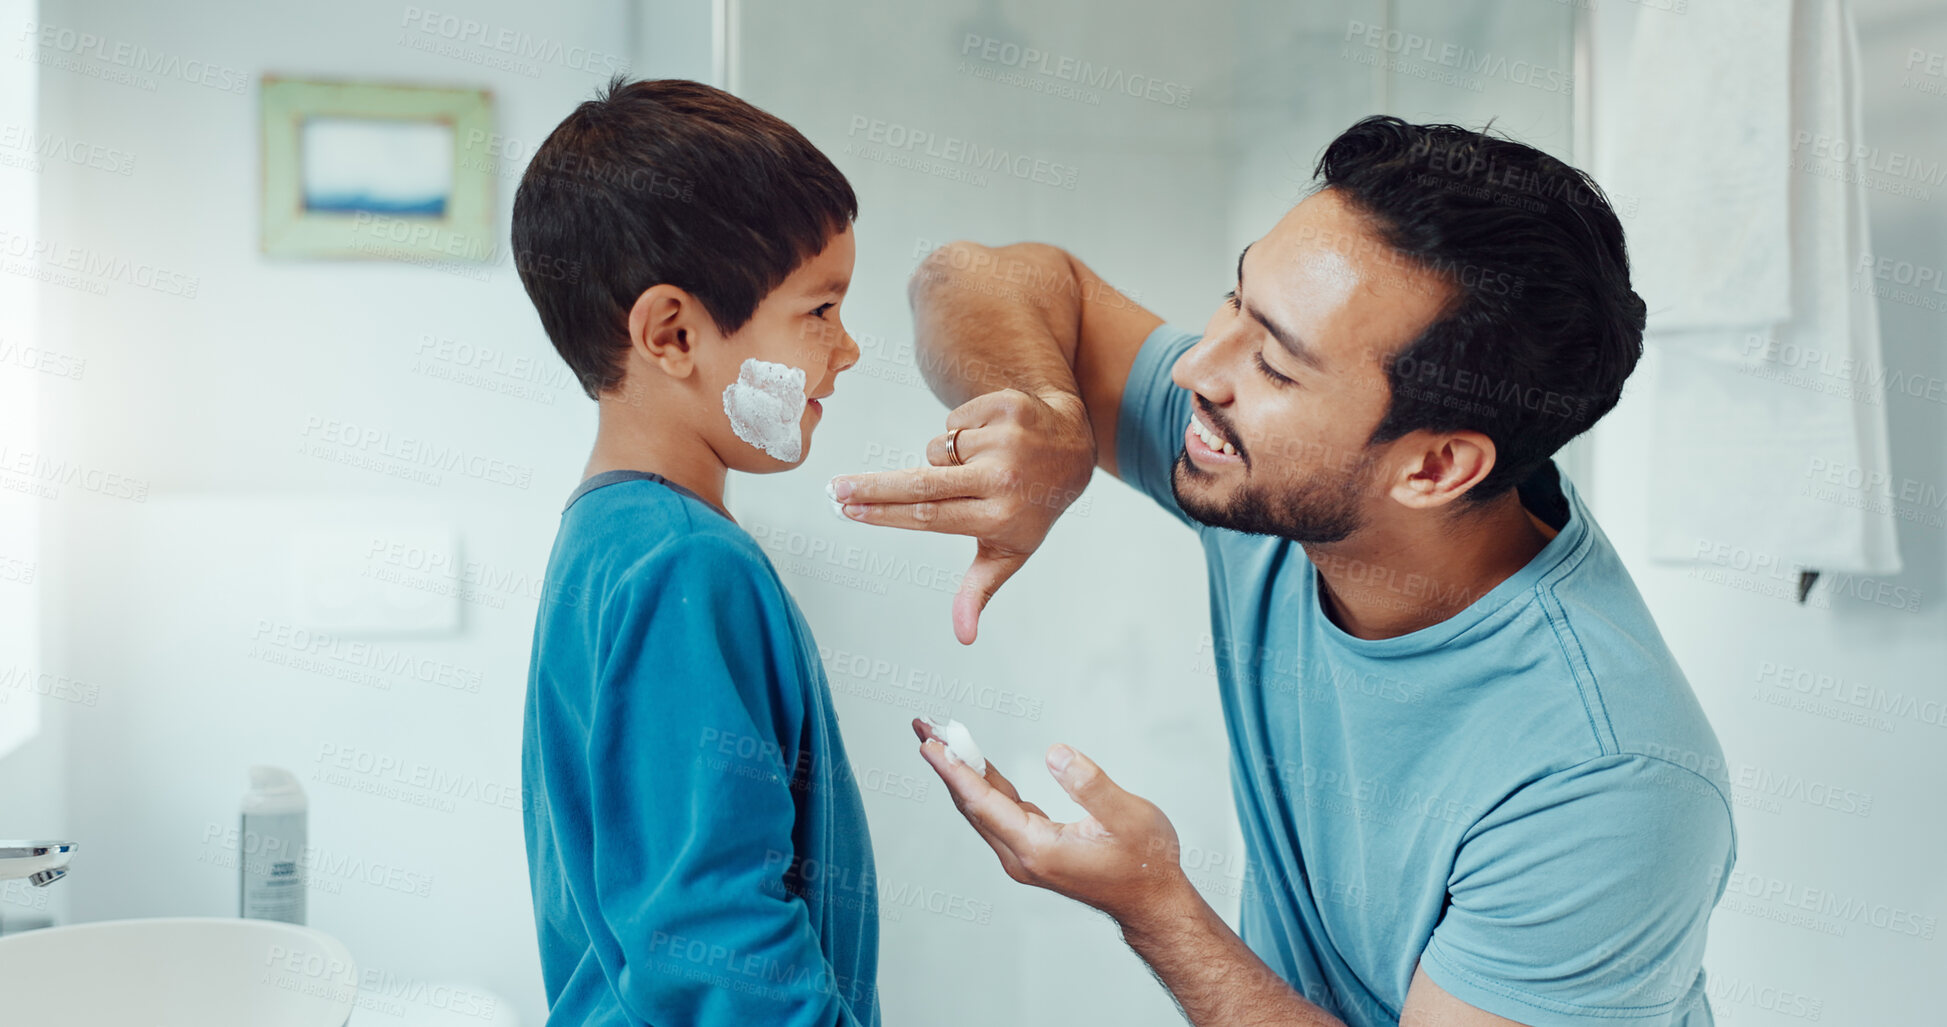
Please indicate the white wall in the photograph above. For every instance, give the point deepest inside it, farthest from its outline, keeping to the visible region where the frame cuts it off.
(1818, 911)
(31, 785)
(1305, 73)
(21, 372)
(159, 604)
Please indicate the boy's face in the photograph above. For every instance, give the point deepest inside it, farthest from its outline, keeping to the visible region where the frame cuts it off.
(796, 325)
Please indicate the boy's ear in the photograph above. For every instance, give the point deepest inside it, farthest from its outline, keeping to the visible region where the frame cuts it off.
(663, 328)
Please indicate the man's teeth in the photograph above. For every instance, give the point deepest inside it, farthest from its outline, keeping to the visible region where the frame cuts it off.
(1211, 438)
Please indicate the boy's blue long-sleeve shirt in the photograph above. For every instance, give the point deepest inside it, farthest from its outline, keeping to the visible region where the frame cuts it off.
(696, 842)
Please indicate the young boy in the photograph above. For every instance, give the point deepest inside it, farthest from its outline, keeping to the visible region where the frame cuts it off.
(692, 820)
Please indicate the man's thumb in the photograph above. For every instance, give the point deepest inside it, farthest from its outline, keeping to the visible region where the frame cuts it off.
(1086, 784)
(989, 572)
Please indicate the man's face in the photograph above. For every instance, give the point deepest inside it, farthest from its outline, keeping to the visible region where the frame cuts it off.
(796, 324)
(1289, 379)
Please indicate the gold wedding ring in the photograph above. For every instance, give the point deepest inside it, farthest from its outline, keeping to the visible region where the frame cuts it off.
(953, 446)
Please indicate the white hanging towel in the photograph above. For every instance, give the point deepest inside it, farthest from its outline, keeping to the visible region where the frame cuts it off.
(1701, 147)
(1769, 434)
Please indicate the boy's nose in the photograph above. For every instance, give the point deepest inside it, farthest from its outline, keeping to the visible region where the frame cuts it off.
(846, 353)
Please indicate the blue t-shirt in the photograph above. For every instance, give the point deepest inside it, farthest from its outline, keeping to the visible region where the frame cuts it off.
(1525, 799)
(696, 841)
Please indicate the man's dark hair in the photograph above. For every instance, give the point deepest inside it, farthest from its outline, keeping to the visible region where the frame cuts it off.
(666, 181)
(1542, 327)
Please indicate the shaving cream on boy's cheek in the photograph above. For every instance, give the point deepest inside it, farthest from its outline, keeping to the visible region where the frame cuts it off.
(765, 404)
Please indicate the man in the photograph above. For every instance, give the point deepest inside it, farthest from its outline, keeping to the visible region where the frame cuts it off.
(1474, 786)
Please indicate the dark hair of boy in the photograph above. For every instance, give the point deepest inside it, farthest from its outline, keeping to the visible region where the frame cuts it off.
(665, 181)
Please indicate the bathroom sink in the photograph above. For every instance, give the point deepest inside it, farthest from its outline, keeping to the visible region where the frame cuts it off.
(177, 972)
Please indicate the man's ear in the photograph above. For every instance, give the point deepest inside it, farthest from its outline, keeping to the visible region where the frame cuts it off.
(663, 326)
(1442, 468)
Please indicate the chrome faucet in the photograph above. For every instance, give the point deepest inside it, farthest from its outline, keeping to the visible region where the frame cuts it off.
(41, 863)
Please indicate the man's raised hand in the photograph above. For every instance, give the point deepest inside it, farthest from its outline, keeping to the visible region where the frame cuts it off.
(1023, 458)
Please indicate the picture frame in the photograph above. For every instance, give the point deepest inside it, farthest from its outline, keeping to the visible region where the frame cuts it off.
(369, 170)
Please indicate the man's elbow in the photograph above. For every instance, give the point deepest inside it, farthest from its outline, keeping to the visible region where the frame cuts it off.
(946, 262)
(966, 260)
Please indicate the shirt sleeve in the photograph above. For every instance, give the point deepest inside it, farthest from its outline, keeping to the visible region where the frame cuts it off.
(1583, 898)
(1154, 413)
(691, 807)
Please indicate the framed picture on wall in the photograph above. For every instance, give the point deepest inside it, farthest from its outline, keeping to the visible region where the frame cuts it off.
(369, 170)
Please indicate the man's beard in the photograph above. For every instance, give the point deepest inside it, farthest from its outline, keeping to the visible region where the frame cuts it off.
(1319, 511)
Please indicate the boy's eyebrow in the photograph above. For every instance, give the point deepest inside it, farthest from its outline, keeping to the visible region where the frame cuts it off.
(837, 285)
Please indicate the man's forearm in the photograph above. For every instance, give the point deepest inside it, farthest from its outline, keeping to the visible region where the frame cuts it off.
(992, 318)
(1216, 979)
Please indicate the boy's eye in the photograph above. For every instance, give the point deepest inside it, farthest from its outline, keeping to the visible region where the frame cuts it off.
(1231, 298)
(1276, 379)
(822, 307)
